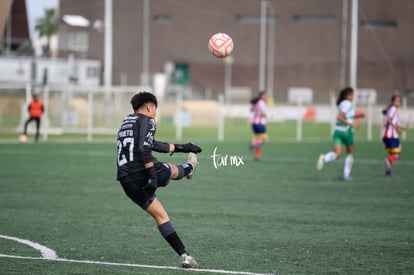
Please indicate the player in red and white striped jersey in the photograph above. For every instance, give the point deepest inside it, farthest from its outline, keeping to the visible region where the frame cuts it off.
(258, 123)
(391, 128)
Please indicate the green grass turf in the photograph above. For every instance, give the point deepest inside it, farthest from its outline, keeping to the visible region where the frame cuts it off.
(278, 215)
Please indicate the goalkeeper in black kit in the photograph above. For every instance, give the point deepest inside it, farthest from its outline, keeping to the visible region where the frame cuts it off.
(140, 174)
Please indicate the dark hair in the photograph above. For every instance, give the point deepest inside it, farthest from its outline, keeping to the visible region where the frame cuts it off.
(255, 99)
(343, 94)
(395, 96)
(138, 100)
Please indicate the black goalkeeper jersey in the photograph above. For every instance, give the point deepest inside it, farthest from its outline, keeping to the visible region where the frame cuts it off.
(135, 144)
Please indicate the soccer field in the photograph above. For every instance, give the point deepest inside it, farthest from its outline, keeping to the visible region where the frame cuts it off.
(278, 215)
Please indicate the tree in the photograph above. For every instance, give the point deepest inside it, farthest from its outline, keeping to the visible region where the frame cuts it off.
(47, 26)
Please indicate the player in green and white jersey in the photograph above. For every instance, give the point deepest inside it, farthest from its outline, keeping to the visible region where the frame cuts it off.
(344, 132)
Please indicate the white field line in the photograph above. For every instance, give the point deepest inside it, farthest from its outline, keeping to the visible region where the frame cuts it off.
(50, 255)
(46, 252)
(219, 271)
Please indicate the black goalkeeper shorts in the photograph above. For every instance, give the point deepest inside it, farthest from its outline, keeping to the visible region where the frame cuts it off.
(134, 183)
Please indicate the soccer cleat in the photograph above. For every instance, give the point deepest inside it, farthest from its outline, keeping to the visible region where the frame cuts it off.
(192, 159)
(348, 178)
(188, 262)
(320, 163)
(388, 173)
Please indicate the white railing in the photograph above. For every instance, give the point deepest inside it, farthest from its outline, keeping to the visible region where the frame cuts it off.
(90, 110)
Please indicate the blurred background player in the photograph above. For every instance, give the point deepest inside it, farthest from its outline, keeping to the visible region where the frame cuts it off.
(140, 174)
(258, 110)
(36, 110)
(343, 133)
(390, 130)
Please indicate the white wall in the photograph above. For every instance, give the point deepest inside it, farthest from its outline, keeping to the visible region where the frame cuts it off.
(21, 70)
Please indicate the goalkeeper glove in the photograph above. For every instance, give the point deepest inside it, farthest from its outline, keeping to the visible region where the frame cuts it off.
(187, 148)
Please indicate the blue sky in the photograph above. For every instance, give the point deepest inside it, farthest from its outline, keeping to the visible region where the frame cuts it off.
(35, 9)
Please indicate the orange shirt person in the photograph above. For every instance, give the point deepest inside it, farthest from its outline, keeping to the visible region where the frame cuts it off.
(36, 110)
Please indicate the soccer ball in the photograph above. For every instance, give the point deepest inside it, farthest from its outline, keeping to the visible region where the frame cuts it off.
(23, 139)
(220, 45)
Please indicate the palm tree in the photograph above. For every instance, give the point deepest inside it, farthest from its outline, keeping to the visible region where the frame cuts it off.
(47, 26)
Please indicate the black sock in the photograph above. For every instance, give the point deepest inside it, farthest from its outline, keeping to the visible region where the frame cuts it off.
(169, 234)
(183, 170)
